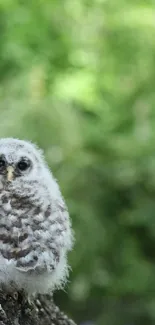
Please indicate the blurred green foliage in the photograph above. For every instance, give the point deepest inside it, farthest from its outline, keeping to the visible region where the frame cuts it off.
(78, 78)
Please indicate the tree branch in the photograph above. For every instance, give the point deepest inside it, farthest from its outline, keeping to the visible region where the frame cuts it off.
(16, 310)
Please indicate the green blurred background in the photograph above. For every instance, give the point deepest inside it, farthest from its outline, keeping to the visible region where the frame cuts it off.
(78, 78)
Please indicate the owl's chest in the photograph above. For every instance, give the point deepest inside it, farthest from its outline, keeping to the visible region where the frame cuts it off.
(14, 209)
(24, 217)
(22, 212)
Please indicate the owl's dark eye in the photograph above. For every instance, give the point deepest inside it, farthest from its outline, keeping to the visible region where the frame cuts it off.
(2, 163)
(23, 165)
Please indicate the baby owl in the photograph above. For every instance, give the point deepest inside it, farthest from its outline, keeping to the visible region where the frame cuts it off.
(35, 228)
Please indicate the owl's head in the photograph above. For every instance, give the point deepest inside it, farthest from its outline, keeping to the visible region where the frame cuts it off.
(19, 158)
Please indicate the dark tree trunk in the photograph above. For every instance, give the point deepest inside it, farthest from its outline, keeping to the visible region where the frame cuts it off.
(16, 310)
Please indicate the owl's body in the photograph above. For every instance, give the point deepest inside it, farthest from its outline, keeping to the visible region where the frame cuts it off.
(35, 229)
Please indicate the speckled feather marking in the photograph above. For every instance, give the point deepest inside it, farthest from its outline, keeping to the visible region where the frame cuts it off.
(29, 230)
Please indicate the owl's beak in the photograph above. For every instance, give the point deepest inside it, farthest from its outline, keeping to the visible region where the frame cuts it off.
(10, 171)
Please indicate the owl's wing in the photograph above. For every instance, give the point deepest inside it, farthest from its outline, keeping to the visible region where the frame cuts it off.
(58, 242)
